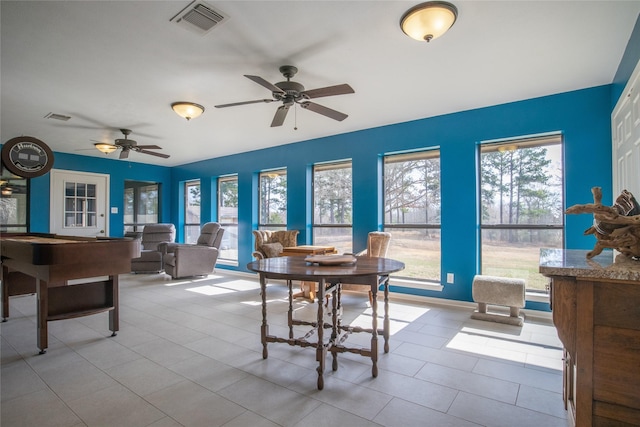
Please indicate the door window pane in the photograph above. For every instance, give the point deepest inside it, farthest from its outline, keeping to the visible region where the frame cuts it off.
(80, 205)
(70, 189)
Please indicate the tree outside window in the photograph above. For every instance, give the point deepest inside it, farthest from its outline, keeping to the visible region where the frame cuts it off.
(273, 200)
(412, 212)
(228, 216)
(192, 211)
(332, 206)
(521, 206)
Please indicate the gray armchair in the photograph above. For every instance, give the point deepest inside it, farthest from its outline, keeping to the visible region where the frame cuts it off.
(150, 260)
(183, 260)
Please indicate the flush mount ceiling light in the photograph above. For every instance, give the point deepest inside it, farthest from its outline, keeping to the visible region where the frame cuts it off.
(428, 21)
(105, 148)
(188, 110)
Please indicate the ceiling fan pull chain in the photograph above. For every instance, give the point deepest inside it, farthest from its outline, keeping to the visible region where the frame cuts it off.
(295, 116)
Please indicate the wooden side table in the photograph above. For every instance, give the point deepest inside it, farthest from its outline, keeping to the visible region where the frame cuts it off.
(308, 250)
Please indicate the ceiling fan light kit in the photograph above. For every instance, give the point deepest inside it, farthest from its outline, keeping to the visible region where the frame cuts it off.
(428, 21)
(127, 145)
(187, 110)
(290, 93)
(105, 148)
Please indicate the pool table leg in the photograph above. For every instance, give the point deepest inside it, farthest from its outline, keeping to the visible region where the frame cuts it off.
(114, 315)
(5, 293)
(43, 312)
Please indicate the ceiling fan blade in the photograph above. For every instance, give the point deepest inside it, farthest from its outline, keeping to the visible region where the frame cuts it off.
(281, 113)
(153, 153)
(233, 104)
(325, 111)
(328, 91)
(148, 147)
(264, 83)
(124, 154)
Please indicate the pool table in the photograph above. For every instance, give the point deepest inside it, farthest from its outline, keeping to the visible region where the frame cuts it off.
(72, 276)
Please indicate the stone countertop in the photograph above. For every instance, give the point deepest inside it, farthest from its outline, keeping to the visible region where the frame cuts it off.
(574, 263)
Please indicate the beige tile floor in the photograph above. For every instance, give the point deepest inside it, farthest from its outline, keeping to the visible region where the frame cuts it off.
(188, 354)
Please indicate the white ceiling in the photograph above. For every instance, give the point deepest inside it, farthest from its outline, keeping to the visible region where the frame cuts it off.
(120, 64)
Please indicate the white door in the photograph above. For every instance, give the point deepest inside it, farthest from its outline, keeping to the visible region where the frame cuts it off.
(79, 203)
(625, 124)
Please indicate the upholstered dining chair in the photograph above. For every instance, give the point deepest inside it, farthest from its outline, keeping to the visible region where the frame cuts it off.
(377, 246)
(269, 243)
(150, 260)
(199, 259)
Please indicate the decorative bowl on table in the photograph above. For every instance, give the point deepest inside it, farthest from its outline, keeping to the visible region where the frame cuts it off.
(331, 259)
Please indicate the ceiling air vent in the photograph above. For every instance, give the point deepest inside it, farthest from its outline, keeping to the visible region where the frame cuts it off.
(57, 117)
(199, 17)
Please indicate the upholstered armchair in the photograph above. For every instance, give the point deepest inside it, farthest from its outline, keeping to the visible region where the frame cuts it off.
(150, 260)
(185, 260)
(377, 246)
(269, 244)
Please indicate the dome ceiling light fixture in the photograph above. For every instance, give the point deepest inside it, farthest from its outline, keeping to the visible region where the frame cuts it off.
(188, 110)
(428, 21)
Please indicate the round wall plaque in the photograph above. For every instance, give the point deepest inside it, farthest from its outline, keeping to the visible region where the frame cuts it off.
(27, 157)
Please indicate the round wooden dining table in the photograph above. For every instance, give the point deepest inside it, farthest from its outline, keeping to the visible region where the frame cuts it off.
(367, 271)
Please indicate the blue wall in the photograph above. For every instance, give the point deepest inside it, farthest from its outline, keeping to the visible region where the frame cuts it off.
(582, 116)
(120, 172)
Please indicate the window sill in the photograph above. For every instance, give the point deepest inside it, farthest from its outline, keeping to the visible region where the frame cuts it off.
(228, 262)
(536, 297)
(431, 286)
(416, 284)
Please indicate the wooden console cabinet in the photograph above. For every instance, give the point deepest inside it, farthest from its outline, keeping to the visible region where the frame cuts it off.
(596, 310)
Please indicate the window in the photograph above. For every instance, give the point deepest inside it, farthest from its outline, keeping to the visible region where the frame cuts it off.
(79, 205)
(521, 201)
(332, 206)
(141, 204)
(412, 212)
(228, 216)
(273, 200)
(191, 211)
(14, 203)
